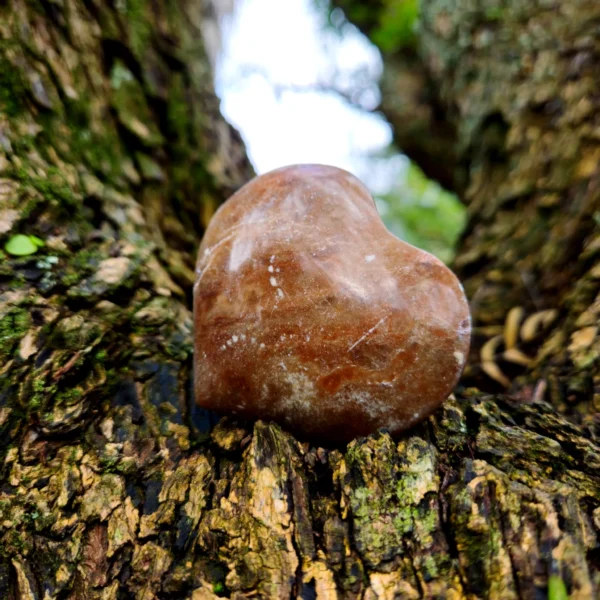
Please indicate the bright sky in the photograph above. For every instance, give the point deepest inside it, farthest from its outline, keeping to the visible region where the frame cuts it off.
(276, 59)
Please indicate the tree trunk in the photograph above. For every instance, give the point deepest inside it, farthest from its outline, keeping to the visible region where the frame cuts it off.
(113, 152)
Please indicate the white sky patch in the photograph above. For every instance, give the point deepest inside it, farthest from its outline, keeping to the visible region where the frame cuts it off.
(272, 50)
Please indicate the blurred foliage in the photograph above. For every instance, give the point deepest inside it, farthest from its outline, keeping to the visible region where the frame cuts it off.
(397, 25)
(390, 24)
(422, 213)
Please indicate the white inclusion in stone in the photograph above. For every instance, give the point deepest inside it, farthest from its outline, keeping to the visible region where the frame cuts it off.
(223, 347)
(243, 336)
(459, 356)
(273, 281)
(241, 250)
(229, 342)
(370, 258)
(270, 268)
(272, 258)
(308, 338)
(278, 270)
(262, 346)
(234, 338)
(280, 292)
(253, 340)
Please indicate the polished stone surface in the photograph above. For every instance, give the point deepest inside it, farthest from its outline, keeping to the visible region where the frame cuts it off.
(310, 313)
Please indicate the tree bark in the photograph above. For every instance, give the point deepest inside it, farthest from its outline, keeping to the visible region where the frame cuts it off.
(113, 152)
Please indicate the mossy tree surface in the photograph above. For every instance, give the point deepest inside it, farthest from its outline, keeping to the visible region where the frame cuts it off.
(114, 155)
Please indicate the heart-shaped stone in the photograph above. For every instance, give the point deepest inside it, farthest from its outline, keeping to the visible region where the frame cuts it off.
(309, 312)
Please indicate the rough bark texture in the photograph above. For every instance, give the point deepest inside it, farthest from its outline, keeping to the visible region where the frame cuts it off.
(113, 152)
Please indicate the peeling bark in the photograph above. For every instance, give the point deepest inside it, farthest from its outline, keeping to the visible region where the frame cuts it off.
(112, 151)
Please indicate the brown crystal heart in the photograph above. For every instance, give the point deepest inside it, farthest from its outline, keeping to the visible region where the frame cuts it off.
(310, 313)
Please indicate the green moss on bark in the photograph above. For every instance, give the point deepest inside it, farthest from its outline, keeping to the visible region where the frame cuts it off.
(13, 326)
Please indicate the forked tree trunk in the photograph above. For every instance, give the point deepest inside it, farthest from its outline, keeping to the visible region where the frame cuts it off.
(113, 152)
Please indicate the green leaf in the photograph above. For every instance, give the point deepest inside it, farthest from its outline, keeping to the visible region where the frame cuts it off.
(23, 245)
(37, 241)
(557, 590)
